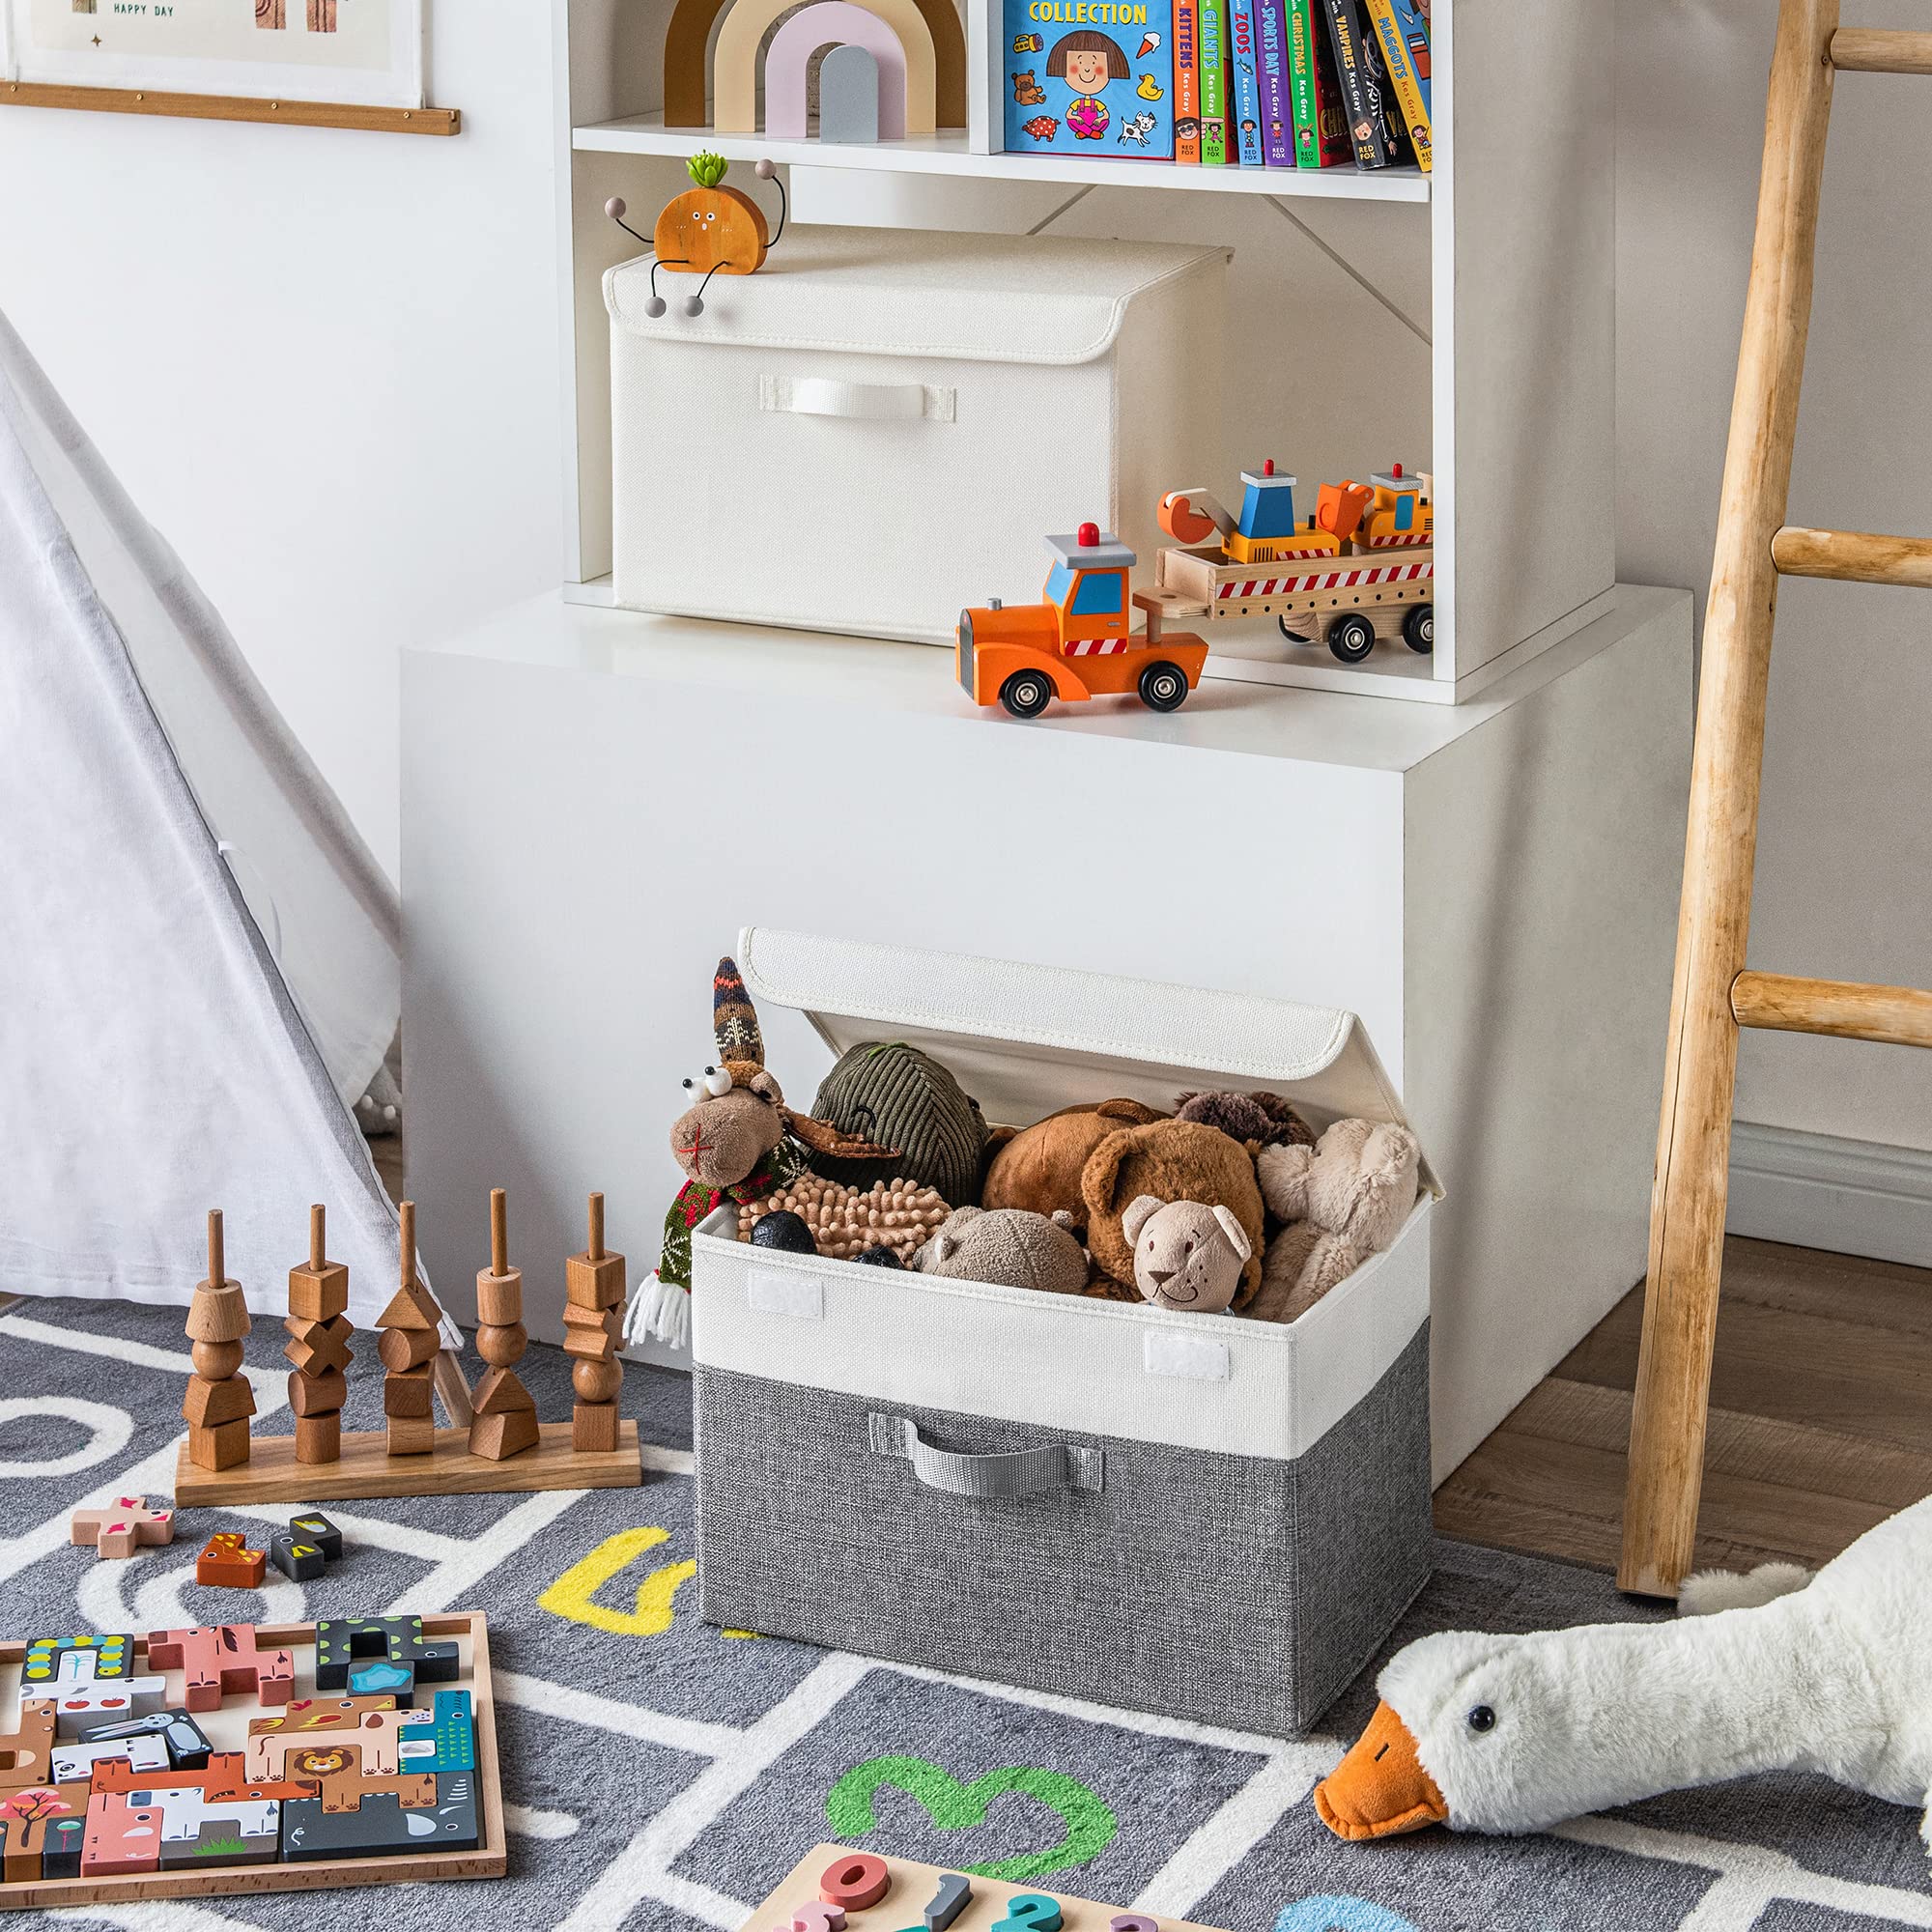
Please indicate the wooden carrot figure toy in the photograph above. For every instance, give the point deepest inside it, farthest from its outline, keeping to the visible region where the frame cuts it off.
(708, 230)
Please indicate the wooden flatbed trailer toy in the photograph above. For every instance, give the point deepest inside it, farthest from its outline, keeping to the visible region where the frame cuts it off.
(1362, 568)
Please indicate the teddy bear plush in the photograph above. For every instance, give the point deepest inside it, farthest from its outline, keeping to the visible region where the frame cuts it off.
(1187, 1255)
(1040, 1167)
(1009, 1247)
(1343, 1200)
(1170, 1160)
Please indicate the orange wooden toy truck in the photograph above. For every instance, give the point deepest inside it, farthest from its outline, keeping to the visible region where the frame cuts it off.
(1078, 641)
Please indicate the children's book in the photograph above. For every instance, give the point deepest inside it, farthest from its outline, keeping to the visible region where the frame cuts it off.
(1277, 111)
(1244, 100)
(1216, 150)
(1089, 78)
(1413, 17)
(1403, 83)
(1186, 80)
(1320, 127)
(1374, 122)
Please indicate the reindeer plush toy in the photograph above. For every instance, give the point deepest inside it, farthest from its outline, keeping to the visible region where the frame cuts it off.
(737, 1141)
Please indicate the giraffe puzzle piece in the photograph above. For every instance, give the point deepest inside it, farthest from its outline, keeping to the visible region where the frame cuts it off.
(119, 1528)
(221, 1659)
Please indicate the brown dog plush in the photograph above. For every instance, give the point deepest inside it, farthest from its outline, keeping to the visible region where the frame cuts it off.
(1170, 1161)
(1039, 1168)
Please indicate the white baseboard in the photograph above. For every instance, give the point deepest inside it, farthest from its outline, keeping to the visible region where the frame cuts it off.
(1819, 1192)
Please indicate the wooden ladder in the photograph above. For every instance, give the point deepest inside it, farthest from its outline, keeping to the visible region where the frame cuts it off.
(1713, 993)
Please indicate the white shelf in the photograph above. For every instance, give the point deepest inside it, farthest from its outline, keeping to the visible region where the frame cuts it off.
(948, 153)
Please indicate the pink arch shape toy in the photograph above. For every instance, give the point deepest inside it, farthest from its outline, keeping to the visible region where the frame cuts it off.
(734, 60)
(802, 36)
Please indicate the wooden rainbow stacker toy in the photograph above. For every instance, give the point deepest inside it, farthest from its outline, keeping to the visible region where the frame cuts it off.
(1362, 566)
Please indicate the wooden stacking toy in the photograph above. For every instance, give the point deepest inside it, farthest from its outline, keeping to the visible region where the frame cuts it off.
(495, 1442)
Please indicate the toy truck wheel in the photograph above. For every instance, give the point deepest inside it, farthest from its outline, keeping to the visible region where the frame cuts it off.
(1026, 693)
(1418, 629)
(1163, 687)
(1352, 637)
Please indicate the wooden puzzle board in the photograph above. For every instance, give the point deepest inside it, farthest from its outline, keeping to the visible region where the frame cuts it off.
(915, 1886)
(227, 1729)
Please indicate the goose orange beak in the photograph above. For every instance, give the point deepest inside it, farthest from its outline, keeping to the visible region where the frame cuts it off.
(1380, 1787)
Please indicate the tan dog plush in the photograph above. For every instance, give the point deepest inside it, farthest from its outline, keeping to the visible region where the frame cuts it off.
(1343, 1199)
(1186, 1254)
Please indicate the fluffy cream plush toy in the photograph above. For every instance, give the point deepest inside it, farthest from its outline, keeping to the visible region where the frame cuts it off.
(1779, 1670)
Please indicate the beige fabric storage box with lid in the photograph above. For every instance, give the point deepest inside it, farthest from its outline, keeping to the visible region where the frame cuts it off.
(1196, 1515)
(881, 426)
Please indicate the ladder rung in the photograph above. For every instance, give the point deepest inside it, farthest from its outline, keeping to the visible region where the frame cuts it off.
(1881, 50)
(1857, 557)
(1895, 1015)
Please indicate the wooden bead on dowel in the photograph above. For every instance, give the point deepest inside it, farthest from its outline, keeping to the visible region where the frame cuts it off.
(319, 1331)
(219, 1401)
(593, 1319)
(409, 1344)
(505, 1423)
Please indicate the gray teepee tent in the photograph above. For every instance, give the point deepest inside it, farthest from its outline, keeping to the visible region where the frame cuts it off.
(162, 1048)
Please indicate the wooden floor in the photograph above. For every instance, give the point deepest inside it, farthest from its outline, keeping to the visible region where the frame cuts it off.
(1821, 1420)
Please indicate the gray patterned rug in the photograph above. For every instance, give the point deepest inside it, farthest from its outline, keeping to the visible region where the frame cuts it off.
(663, 1777)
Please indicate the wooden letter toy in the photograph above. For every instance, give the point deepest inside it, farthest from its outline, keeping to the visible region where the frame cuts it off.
(227, 1563)
(505, 1423)
(893, 1891)
(219, 1400)
(318, 1332)
(593, 1325)
(121, 1527)
(220, 1660)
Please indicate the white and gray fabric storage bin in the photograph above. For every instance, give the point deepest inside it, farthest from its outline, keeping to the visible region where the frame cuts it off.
(881, 426)
(1201, 1516)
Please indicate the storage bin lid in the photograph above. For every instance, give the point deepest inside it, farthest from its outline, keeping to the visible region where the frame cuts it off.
(1027, 1041)
(900, 292)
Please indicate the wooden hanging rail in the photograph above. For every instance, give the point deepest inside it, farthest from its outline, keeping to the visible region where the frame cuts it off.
(1713, 995)
(1881, 50)
(1856, 556)
(230, 107)
(1892, 1015)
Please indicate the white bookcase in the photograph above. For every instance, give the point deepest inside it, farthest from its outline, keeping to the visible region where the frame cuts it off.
(1461, 324)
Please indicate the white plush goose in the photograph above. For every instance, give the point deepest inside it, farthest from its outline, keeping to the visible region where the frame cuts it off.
(1777, 1670)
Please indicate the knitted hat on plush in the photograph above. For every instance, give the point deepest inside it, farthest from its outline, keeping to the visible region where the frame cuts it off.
(735, 1020)
(892, 1093)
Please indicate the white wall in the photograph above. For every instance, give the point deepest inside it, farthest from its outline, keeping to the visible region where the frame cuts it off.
(1845, 854)
(324, 362)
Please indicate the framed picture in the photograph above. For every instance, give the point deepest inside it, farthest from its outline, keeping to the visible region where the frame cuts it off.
(365, 53)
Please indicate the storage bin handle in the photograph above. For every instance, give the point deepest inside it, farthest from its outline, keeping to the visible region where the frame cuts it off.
(1016, 1472)
(857, 402)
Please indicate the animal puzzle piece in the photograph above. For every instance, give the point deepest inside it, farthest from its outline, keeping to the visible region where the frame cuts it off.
(372, 1723)
(119, 1528)
(221, 1659)
(226, 1562)
(26, 1755)
(40, 1832)
(74, 1762)
(335, 1772)
(373, 1655)
(185, 1742)
(92, 1680)
(137, 1822)
(384, 1824)
(442, 1738)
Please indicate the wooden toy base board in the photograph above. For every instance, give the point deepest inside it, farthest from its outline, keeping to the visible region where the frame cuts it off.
(912, 1890)
(227, 1729)
(366, 1468)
